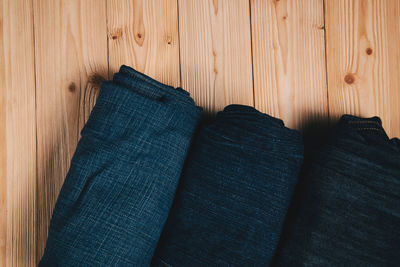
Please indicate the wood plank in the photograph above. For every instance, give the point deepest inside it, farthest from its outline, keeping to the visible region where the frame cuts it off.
(215, 50)
(17, 135)
(144, 35)
(363, 55)
(3, 141)
(289, 60)
(71, 57)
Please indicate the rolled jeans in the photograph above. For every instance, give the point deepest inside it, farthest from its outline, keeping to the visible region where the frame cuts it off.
(123, 176)
(234, 193)
(346, 211)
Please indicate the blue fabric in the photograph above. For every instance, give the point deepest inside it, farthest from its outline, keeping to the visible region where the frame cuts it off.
(123, 175)
(346, 211)
(234, 193)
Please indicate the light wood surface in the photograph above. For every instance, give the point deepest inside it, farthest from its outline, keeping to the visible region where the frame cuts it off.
(17, 135)
(144, 35)
(215, 52)
(300, 60)
(289, 59)
(70, 52)
(363, 56)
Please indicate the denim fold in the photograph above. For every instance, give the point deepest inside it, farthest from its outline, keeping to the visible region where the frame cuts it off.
(234, 192)
(123, 175)
(346, 210)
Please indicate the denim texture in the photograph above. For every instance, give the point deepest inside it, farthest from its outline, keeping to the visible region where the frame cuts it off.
(346, 209)
(234, 192)
(123, 176)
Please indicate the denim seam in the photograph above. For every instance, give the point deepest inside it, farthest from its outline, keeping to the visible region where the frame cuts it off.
(361, 122)
(375, 129)
(180, 94)
(165, 100)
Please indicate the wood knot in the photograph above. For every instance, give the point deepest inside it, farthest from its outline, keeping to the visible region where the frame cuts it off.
(349, 78)
(284, 17)
(168, 39)
(139, 38)
(96, 80)
(116, 34)
(72, 87)
(368, 51)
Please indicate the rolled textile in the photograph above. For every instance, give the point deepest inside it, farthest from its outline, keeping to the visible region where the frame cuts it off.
(234, 192)
(123, 175)
(347, 209)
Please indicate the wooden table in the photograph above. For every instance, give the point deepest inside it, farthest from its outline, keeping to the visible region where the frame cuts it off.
(299, 60)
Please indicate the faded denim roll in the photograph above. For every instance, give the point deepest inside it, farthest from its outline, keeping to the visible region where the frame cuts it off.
(234, 193)
(123, 176)
(347, 208)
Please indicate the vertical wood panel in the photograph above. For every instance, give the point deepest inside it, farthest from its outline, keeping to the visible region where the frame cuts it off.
(144, 35)
(17, 135)
(66, 42)
(289, 59)
(71, 57)
(363, 55)
(3, 137)
(215, 50)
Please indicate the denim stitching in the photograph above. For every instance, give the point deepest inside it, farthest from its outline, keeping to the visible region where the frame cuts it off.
(376, 129)
(363, 122)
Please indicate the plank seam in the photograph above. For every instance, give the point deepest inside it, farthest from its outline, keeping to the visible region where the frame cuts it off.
(179, 45)
(36, 136)
(108, 42)
(326, 62)
(251, 51)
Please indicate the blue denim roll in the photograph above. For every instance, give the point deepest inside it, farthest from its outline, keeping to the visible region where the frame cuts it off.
(123, 176)
(234, 192)
(347, 208)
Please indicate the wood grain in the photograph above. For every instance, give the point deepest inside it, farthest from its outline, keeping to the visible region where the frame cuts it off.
(215, 50)
(54, 56)
(3, 137)
(363, 55)
(71, 53)
(17, 135)
(144, 35)
(289, 60)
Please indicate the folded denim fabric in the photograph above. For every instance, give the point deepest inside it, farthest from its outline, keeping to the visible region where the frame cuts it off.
(234, 192)
(123, 175)
(347, 208)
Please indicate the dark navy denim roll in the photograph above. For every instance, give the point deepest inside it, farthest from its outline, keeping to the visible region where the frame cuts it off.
(123, 175)
(234, 192)
(347, 208)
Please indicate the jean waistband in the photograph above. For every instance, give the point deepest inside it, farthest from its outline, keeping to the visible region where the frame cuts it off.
(149, 87)
(371, 129)
(236, 111)
(256, 122)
